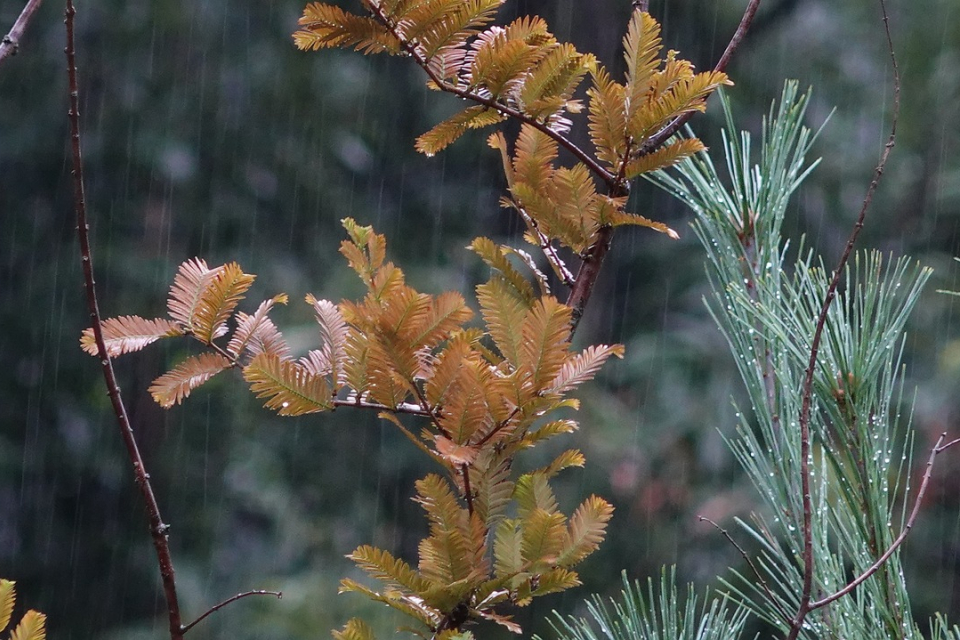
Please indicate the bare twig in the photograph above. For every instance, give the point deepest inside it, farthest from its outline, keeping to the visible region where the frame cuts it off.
(10, 44)
(656, 140)
(937, 449)
(753, 567)
(217, 607)
(158, 530)
(808, 561)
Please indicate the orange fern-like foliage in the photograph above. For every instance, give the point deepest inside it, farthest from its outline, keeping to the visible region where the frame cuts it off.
(482, 395)
(32, 625)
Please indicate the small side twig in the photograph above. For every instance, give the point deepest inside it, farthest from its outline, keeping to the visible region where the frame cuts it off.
(158, 530)
(217, 607)
(752, 565)
(808, 561)
(10, 44)
(853, 584)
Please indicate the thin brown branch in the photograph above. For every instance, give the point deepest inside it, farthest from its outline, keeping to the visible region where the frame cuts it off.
(808, 561)
(403, 407)
(928, 472)
(158, 530)
(467, 491)
(10, 44)
(753, 567)
(217, 607)
(510, 112)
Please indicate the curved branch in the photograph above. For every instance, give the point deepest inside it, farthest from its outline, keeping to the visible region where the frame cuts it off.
(217, 607)
(937, 449)
(424, 63)
(158, 530)
(10, 44)
(808, 561)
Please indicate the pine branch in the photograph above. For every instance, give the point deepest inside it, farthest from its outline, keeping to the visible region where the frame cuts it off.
(158, 530)
(808, 561)
(10, 45)
(239, 596)
(938, 448)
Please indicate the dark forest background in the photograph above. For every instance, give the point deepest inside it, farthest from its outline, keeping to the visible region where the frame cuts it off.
(207, 134)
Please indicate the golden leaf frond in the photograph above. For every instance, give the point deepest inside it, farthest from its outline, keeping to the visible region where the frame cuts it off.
(549, 430)
(365, 251)
(607, 118)
(327, 26)
(219, 299)
(581, 367)
(189, 285)
(465, 411)
(257, 334)
(557, 75)
(546, 336)
(356, 351)
(573, 191)
(567, 459)
(504, 311)
(446, 372)
(172, 387)
(455, 454)
(289, 389)
(445, 556)
(543, 536)
(389, 570)
(448, 23)
(553, 581)
(8, 597)
(495, 256)
(333, 333)
(641, 50)
(531, 492)
(686, 95)
(531, 29)
(533, 158)
(390, 369)
(125, 334)
(507, 557)
(500, 65)
(32, 627)
(588, 524)
(618, 217)
(502, 620)
(664, 157)
(412, 607)
(447, 132)
(447, 312)
(355, 629)
(492, 486)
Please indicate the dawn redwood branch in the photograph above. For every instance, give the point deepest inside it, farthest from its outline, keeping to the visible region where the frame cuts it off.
(158, 530)
(580, 293)
(657, 140)
(10, 44)
(805, 599)
(937, 449)
(217, 607)
(424, 63)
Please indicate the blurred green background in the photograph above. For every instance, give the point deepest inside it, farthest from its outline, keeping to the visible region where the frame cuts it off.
(207, 134)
